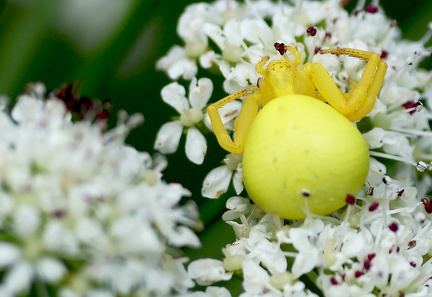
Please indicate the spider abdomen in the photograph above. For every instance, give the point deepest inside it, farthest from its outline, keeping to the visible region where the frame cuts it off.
(301, 153)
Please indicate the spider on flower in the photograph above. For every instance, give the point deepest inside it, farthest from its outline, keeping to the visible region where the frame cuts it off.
(302, 155)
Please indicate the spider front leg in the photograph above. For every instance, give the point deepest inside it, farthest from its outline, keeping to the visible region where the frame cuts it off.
(361, 99)
(242, 123)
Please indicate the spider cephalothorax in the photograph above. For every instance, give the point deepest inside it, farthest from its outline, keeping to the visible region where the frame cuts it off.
(286, 77)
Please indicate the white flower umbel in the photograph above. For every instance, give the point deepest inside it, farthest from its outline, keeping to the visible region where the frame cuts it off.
(83, 214)
(378, 245)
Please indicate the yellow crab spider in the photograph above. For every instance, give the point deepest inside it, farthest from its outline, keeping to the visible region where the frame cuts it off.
(301, 154)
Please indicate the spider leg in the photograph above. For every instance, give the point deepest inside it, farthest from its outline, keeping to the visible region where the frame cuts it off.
(371, 96)
(242, 123)
(260, 65)
(370, 83)
(296, 53)
(361, 99)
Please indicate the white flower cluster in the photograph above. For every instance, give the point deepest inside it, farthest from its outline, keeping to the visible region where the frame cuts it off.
(83, 214)
(378, 247)
(380, 244)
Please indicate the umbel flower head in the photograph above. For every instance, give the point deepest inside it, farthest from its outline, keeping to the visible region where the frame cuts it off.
(83, 214)
(380, 243)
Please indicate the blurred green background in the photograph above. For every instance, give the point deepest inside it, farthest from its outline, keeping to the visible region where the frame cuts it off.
(113, 45)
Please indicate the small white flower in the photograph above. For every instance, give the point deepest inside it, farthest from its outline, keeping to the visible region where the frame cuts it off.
(191, 115)
(217, 181)
(207, 271)
(177, 64)
(266, 252)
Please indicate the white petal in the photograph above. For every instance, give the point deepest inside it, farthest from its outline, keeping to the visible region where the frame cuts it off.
(380, 270)
(353, 244)
(397, 144)
(255, 275)
(402, 273)
(207, 271)
(256, 30)
(7, 204)
(5, 292)
(271, 256)
(26, 220)
(183, 236)
(8, 254)
(184, 68)
(147, 234)
(304, 262)
(58, 237)
(199, 94)
(207, 122)
(18, 279)
(379, 108)
(207, 59)
(377, 166)
(232, 32)
(217, 292)
(216, 182)
(174, 54)
(27, 109)
(89, 231)
(174, 95)
(133, 236)
(215, 33)
(100, 293)
(168, 137)
(175, 267)
(196, 146)
(230, 111)
(238, 180)
(374, 137)
(236, 205)
(51, 270)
